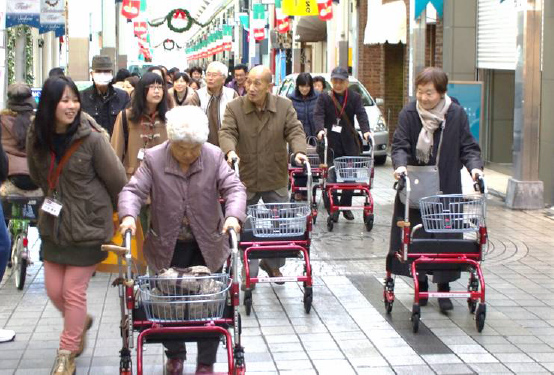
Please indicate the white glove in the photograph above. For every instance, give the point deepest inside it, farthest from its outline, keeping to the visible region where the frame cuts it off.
(400, 171)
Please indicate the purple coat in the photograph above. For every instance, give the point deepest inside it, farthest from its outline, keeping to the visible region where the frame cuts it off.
(174, 193)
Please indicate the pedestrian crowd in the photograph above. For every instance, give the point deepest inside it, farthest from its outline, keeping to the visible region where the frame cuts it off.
(158, 150)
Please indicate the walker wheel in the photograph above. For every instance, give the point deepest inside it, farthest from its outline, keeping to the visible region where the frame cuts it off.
(369, 222)
(416, 314)
(480, 316)
(388, 306)
(248, 302)
(125, 372)
(330, 224)
(308, 297)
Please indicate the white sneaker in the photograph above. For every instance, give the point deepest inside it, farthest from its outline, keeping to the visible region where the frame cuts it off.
(6, 335)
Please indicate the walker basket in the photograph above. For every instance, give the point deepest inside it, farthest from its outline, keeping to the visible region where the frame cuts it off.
(189, 298)
(453, 213)
(353, 169)
(279, 219)
(21, 208)
(314, 160)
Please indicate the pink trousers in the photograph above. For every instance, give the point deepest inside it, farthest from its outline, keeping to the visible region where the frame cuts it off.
(66, 287)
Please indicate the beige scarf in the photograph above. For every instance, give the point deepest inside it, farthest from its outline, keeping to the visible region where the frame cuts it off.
(431, 120)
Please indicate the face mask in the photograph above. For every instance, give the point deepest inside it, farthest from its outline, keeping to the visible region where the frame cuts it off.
(102, 78)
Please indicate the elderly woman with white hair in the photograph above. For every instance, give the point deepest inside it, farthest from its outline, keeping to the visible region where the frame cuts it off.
(184, 178)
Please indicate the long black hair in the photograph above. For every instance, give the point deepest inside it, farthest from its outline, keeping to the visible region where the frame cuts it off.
(304, 79)
(45, 120)
(138, 106)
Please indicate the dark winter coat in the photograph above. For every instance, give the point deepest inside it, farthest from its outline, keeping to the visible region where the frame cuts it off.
(325, 116)
(305, 108)
(88, 188)
(459, 149)
(104, 111)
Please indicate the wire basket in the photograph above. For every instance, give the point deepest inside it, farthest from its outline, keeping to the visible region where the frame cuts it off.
(453, 213)
(314, 160)
(353, 168)
(279, 219)
(189, 298)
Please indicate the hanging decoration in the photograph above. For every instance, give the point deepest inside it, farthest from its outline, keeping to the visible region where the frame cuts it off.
(174, 19)
(140, 28)
(258, 22)
(168, 45)
(22, 12)
(283, 22)
(52, 17)
(300, 7)
(227, 38)
(325, 9)
(130, 9)
(12, 35)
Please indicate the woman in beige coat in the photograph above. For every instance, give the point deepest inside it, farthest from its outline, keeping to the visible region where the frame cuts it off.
(181, 93)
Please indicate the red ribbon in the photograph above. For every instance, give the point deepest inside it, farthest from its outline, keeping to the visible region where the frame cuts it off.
(179, 13)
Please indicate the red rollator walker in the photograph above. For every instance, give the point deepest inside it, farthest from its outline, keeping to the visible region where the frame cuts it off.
(279, 230)
(455, 239)
(318, 169)
(355, 174)
(161, 308)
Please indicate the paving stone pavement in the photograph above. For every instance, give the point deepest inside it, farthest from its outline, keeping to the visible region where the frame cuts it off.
(347, 331)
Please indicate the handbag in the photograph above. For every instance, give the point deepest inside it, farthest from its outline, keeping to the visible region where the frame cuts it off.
(424, 180)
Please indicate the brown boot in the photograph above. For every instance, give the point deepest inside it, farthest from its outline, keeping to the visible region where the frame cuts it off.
(83, 343)
(65, 363)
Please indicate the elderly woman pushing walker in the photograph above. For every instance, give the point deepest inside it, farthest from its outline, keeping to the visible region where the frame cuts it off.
(184, 178)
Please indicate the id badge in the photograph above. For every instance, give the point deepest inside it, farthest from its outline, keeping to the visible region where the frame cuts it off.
(51, 207)
(140, 155)
(336, 128)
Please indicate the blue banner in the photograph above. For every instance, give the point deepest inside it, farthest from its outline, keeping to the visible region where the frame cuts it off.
(23, 12)
(470, 96)
(420, 6)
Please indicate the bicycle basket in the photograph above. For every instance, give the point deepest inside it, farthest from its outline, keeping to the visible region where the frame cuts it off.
(189, 298)
(353, 168)
(453, 213)
(279, 219)
(21, 208)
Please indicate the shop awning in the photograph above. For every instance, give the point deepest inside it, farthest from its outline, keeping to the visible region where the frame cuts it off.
(311, 29)
(385, 22)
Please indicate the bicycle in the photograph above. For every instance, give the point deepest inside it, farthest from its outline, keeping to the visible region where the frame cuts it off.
(20, 212)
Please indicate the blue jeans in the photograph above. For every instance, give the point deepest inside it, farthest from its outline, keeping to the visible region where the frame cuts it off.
(5, 246)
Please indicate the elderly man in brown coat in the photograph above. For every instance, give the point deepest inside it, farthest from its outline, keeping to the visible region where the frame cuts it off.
(257, 128)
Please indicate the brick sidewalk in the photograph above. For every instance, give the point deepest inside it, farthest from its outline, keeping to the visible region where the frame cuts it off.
(347, 331)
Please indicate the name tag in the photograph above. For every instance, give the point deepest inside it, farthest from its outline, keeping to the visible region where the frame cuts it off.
(51, 207)
(336, 128)
(140, 155)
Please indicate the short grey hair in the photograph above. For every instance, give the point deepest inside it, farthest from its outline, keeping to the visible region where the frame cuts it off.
(220, 67)
(187, 124)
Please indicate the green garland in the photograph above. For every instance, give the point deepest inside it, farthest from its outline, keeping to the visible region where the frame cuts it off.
(13, 34)
(170, 17)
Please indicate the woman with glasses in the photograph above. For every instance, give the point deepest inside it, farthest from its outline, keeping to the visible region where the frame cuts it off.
(143, 125)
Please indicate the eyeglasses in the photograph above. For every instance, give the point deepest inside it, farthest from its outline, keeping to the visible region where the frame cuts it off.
(155, 87)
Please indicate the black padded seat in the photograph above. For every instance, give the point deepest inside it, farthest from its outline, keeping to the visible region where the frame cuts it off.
(445, 246)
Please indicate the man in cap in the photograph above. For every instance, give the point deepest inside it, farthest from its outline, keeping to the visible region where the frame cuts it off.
(335, 113)
(102, 100)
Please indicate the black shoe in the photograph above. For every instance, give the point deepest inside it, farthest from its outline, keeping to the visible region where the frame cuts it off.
(348, 215)
(423, 287)
(445, 304)
(335, 216)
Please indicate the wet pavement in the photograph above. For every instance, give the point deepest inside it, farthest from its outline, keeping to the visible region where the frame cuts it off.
(347, 331)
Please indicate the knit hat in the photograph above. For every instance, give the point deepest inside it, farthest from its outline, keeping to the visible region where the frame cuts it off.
(20, 98)
(102, 62)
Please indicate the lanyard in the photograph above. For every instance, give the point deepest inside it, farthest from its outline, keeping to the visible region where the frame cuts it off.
(54, 175)
(339, 115)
